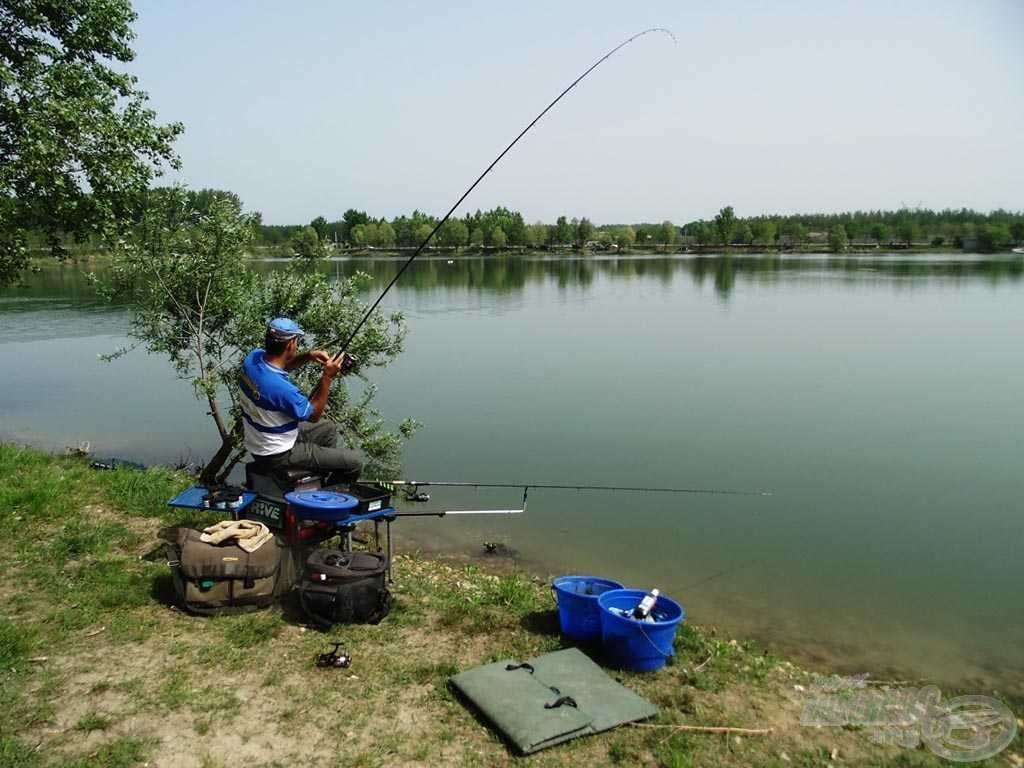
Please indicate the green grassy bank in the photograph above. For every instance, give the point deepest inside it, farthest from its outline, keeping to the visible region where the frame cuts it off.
(97, 668)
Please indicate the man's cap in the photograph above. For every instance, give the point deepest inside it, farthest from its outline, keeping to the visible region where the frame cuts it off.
(284, 328)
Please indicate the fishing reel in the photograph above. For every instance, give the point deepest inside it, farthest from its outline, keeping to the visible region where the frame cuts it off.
(334, 660)
(413, 493)
(349, 363)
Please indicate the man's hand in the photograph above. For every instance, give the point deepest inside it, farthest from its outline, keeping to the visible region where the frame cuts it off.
(333, 366)
(320, 356)
(345, 361)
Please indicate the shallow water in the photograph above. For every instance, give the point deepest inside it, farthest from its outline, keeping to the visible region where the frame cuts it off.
(877, 398)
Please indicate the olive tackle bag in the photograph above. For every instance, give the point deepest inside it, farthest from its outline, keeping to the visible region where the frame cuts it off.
(214, 579)
(344, 588)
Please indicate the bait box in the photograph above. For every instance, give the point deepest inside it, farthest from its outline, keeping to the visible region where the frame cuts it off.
(371, 497)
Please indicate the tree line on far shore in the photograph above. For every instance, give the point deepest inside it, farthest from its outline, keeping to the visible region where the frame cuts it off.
(504, 228)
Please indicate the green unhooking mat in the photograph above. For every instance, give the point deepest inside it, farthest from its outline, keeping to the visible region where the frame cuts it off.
(550, 699)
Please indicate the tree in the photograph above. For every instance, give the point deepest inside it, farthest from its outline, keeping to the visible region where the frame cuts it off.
(77, 142)
(476, 238)
(907, 231)
(202, 199)
(625, 237)
(412, 230)
(667, 233)
(880, 232)
(454, 234)
(498, 239)
(992, 236)
(837, 239)
(743, 235)
(385, 235)
(795, 231)
(307, 245)
(563, 231)
(319, 224)
(725, 223)
(763, 231)
(421, 233)
(538, 234)
(1017, 231)
(359, 235)
(584, 231)
(349, 221)
(705, 233)
(195, 299)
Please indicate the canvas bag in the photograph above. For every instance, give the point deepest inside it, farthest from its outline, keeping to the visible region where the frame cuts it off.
(344, 588)
(217, 579)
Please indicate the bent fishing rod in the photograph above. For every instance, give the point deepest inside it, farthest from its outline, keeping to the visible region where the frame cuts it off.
(437, 227)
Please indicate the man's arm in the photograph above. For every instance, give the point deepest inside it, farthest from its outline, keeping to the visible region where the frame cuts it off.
(318, 397)
(317, 355)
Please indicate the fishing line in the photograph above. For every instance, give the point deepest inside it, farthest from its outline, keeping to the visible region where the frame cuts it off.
(573, 84)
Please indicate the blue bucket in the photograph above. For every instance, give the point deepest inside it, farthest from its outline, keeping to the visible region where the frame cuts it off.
(578, 614)
(638, 645)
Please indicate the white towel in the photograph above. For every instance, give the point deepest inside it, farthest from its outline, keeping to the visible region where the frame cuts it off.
(248, 534)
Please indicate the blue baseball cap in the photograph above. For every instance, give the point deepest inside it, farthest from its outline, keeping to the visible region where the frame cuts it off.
(284, 328)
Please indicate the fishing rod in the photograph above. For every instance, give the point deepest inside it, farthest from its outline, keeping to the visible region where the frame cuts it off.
(412, 492)
(446, 512)
(437, 227)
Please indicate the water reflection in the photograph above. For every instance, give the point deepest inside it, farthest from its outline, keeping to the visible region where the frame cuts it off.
(510, 274)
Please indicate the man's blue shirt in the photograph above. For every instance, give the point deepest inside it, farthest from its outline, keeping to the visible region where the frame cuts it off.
(272, 406)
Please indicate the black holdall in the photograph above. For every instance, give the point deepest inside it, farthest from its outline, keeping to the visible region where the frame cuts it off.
(344, 588)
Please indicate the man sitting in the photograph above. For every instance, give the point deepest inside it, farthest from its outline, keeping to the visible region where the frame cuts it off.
(282, 426)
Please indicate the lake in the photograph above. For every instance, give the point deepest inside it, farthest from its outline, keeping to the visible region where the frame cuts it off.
(878, 398)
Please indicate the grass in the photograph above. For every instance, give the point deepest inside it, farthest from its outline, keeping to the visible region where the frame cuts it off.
(93, 722)
(15, 643)
(96, 670)
(119, 753)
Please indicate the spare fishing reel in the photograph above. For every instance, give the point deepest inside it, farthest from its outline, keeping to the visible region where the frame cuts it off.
(413, 493)
(334, 660)
(223, 497)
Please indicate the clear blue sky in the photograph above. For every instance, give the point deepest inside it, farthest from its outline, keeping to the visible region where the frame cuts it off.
(309, 108)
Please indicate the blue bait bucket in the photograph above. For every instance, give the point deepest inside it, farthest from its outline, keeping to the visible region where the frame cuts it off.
(638, 645)
(578, 614)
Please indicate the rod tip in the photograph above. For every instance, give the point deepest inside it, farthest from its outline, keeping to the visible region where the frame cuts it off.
(667, 31)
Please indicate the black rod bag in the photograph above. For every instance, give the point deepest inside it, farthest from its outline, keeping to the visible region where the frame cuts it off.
(344, 588)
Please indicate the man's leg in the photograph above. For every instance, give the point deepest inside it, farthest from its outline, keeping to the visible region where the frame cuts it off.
(342, 463)
(323, 432)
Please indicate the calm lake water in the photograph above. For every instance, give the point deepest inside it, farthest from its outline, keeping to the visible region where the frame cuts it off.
(879, 399)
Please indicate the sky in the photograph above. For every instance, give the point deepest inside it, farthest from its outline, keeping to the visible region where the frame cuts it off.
(773, 106)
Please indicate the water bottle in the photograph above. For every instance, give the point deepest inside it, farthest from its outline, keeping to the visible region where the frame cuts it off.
(643, 609)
